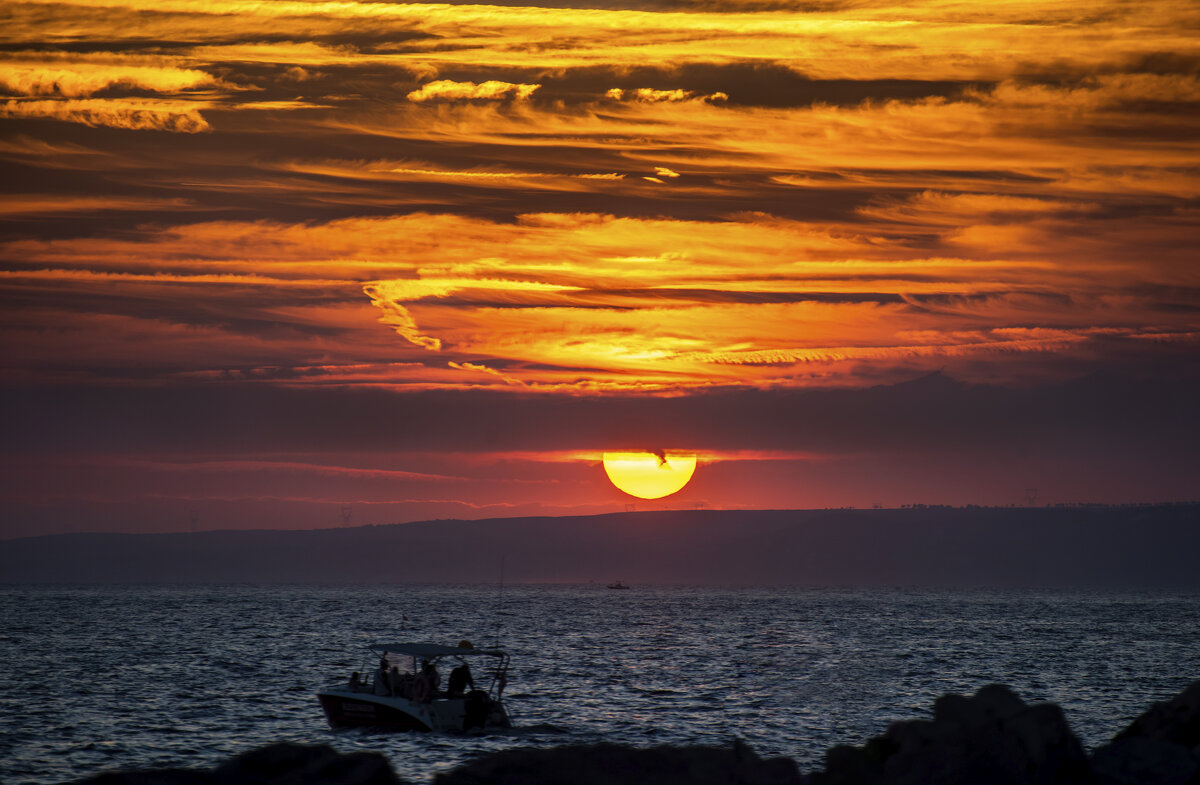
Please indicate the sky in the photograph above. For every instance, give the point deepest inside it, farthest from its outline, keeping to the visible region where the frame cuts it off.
(287, 264)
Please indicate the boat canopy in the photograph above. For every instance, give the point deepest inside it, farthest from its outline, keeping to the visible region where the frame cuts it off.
(427, 650)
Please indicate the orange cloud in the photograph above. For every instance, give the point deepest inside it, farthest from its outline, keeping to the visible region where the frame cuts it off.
(138, 114)
(491, 177)
(653, 96)
(82, 79)
(905, 182)
(46, 204)
(447, 90)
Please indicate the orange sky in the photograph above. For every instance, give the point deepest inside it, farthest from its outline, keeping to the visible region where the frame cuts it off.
(747, 228)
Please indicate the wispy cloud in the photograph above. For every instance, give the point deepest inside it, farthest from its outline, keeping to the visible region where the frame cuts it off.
(80, 78)
(136, 114)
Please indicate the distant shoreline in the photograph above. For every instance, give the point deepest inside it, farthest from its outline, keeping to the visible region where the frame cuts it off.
(1103, 546)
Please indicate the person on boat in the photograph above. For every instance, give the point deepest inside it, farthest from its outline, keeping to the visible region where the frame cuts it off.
(354, 682)
(460, 680)
(405, 685)
(382, 684)
(425, 689)
(395, 680)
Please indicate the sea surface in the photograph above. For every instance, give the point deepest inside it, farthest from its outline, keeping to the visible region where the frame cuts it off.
(104, 678)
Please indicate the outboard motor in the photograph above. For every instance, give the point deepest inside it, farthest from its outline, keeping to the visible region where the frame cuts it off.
(478, 706)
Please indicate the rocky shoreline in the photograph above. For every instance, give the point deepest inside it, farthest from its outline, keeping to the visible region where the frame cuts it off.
(989, 738)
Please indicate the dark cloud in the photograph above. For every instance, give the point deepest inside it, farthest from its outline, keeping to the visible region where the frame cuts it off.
(751, 83)
(932, 413)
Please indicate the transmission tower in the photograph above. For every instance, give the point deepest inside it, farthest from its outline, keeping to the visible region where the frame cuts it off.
(1030, 496)
(346, 513)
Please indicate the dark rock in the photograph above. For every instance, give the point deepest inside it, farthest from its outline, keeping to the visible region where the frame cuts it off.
(1176, 720)
(992, 738)
(613, 764)
(847, 765)
(1145, 762)
(1161, 747)
(296, 764)
(275, 764)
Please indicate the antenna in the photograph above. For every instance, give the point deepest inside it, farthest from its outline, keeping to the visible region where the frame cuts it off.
(346, 513)
(499, 602)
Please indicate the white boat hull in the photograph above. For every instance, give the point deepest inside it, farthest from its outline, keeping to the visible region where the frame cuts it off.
(350, 709)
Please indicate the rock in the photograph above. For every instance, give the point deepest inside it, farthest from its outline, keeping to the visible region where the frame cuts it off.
(151, 777)
(1176, 720)
(297, 764)
(1145, 762)
(275, 764)
(1161, 747)
(847, 765)
(613, 764)
(992, 738)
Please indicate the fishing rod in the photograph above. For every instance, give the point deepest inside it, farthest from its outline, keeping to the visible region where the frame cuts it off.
(499, 604)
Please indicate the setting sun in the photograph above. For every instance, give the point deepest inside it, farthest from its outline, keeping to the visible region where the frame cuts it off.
(649, 475)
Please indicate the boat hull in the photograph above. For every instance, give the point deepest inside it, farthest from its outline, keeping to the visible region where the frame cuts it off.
(352, 710)
(346, 709)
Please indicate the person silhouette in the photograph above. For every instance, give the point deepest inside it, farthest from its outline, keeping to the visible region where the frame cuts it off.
(460, 680)
(427, 682)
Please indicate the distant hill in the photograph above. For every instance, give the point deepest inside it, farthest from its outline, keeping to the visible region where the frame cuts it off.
(1150, 546)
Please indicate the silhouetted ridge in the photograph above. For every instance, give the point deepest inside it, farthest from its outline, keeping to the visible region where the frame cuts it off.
(1149, 546)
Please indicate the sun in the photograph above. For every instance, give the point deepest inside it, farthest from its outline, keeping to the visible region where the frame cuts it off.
(649, 475)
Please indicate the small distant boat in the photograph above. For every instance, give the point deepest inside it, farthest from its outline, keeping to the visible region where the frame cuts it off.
(403, 693)
(617, 585)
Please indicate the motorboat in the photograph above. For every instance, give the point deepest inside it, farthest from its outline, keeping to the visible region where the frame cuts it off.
(617, 585)
(405, 691)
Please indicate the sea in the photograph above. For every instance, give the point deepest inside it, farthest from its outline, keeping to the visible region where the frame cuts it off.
(97, 679)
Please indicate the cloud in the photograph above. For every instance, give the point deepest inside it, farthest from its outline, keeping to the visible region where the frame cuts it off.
(653, 96)
(507, 379)
(491, 177)
(239, 466)
(78, 79)
(1095, 93)
(592, 301)
(491, 90)
(931, 413)
(387, 295)
(135, 114)
(47, 204)
(762, 197)
(940, 208)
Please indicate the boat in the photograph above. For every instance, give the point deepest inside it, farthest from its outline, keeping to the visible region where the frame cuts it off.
(404, 691)
(617, 585)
